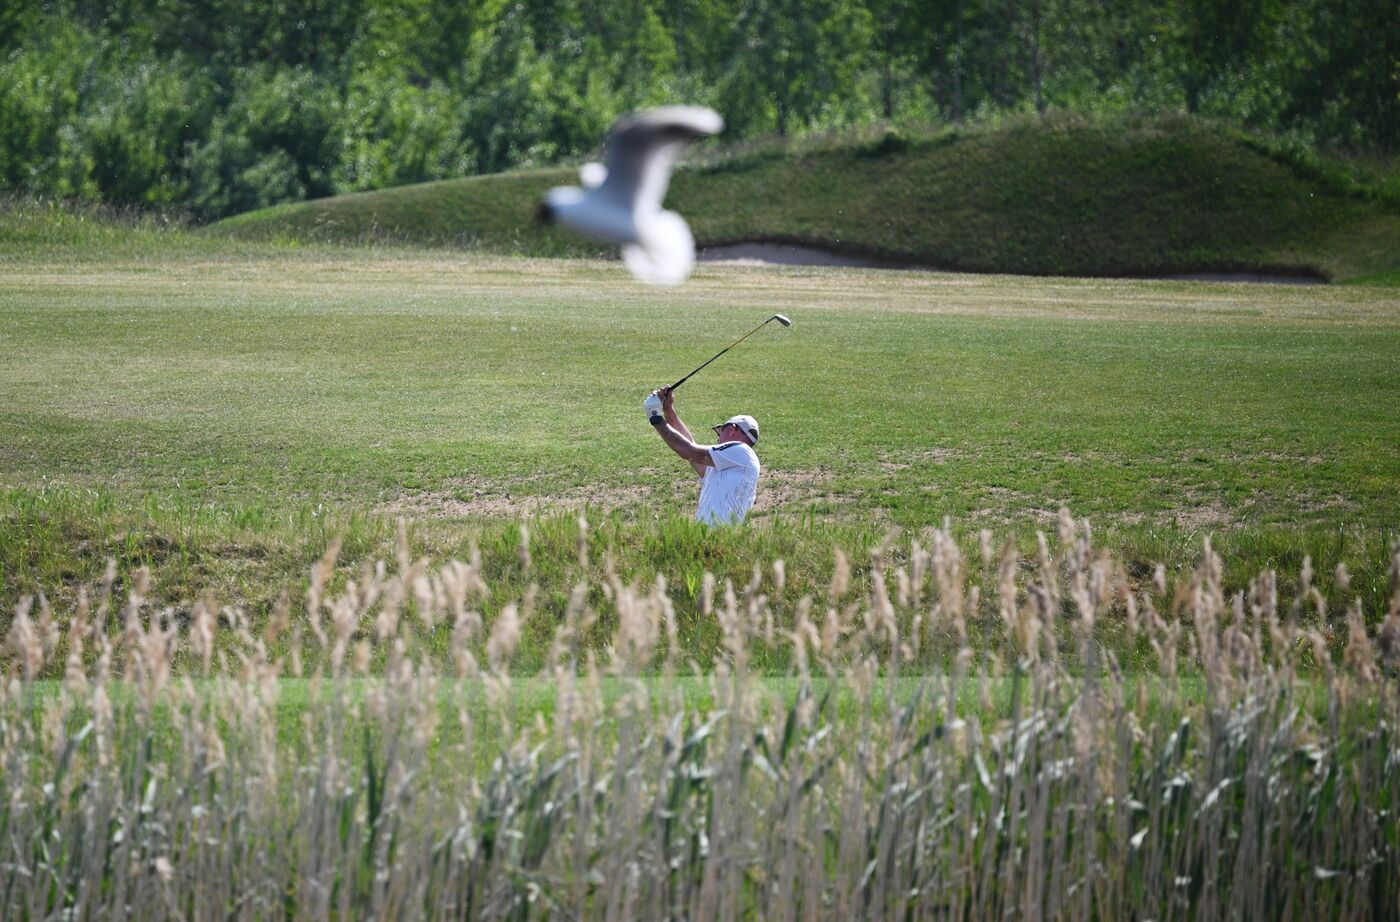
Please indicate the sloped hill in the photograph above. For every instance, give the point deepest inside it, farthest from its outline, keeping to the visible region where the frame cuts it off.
(1059, 196)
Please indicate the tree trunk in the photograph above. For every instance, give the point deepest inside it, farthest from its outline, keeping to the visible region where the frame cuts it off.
(1036, 67)
(1192, 86)
(957, 68)
(887, 91)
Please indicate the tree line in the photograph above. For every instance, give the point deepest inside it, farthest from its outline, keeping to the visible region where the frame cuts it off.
(219, 106)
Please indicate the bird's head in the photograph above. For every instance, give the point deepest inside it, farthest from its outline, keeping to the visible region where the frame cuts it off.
(557, 201)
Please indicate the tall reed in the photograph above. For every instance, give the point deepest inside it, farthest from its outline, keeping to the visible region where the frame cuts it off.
(960, 742)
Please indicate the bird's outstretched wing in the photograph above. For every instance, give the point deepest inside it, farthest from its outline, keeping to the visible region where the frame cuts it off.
(643, 148)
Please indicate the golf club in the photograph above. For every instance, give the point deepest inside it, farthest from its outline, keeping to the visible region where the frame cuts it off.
(778, 317)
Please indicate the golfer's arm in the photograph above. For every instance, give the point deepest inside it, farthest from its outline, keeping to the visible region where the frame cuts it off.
(674, 419)
(683, 446)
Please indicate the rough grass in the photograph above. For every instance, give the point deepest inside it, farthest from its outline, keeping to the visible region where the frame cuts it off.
(952, 738)
(254, 560)
(1060, 195)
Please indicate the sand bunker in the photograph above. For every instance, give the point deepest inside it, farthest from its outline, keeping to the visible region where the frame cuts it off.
(788, 254)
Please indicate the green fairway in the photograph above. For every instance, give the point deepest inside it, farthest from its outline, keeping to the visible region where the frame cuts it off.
(219, 413)
(444, 386)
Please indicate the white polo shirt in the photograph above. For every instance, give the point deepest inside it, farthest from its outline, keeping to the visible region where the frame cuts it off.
(727, 490)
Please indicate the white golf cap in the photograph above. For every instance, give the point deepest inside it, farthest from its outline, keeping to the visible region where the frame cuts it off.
(748, 424)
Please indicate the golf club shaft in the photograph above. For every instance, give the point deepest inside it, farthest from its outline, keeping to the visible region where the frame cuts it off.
(723, 351)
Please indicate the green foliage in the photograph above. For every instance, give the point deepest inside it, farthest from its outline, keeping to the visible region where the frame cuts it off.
(1217, 38)
(228, 35)
(16, 20)
(519, 109)
(1347, 85)
(41, 149)
(275, 142)
(164, 101)
(791, 62)
(140, 125)
(397, 134)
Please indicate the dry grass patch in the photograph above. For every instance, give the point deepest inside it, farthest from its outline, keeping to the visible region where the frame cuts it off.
(951, 737)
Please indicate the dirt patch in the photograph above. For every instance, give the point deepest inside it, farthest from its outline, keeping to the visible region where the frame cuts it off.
(893, 463)
(479, 498)
(777, 489)
(1304, 460)
(1011, 507)
(1212, 514)
(1312, 505)
(440, 505)
(483, 498)
(1274, 457)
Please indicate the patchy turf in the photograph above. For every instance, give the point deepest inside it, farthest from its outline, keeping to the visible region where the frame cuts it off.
(221, 414)
(439, 384)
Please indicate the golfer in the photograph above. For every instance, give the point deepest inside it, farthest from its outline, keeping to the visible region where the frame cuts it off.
(728, 471)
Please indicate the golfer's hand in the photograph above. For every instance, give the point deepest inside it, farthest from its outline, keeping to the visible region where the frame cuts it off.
(653, 407)
(668, 399)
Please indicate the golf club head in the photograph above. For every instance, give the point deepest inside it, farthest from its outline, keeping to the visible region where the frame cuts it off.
(781, 318)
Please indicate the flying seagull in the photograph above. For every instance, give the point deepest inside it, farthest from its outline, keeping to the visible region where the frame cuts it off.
(621, 202)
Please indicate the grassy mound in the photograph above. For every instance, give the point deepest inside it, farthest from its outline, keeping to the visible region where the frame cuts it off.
(1057, 196)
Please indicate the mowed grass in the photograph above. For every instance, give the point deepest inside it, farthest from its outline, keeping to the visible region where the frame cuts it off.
(177, 405)
(445, 384)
